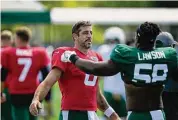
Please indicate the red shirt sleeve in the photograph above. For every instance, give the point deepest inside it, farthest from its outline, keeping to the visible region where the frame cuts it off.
(99, 57)
(56, 59)
(45, 58)
(4, 58)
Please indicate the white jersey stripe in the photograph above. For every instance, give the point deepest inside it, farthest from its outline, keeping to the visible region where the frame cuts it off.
(65, 114)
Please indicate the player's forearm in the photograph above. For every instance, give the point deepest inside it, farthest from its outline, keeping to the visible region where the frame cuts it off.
(105, 107)
(41, 92)
(46, 85)
(87, 66)
(101, 102)
(102, 68)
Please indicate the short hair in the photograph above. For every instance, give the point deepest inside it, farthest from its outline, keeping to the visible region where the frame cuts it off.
(76, 26)
(6, 35)
(24, 33)
(147, 32)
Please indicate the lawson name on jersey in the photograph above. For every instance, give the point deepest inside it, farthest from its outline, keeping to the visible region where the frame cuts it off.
(151, 55)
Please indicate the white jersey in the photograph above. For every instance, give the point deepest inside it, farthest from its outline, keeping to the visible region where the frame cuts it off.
(113, 84)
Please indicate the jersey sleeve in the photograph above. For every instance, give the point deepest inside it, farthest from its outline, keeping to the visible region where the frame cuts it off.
(4, 59)
(123, 54)
(56, 60)
(45, 58)
(99, 57)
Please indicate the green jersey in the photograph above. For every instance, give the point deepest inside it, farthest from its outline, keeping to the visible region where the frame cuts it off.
(145, 67)
(144, 73)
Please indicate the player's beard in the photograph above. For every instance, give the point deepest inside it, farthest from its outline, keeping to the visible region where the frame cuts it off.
(87, 44)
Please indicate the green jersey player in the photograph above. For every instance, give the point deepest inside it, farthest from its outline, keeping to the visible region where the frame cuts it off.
(144, 70)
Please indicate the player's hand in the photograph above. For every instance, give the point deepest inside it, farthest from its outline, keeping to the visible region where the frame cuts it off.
(3, 97)
(66, 55)
(35, 107)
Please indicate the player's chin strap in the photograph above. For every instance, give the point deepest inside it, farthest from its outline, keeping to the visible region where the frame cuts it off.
(73, 58)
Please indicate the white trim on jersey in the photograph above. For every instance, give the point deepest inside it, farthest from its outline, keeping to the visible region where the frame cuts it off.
(157, 115)
(65, 114)
(92, 115)
(128, 114)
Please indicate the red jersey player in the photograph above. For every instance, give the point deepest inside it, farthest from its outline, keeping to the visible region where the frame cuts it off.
(20, 67)
(80, 92)
(6, 42)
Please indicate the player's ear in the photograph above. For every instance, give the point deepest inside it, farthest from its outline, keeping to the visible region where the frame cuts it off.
(74, 36)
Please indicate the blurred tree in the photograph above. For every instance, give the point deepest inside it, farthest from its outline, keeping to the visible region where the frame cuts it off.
(50, 4)
(167, 4)
(60, 33)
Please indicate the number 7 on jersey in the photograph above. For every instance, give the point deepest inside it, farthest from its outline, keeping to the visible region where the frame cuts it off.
(27, 62)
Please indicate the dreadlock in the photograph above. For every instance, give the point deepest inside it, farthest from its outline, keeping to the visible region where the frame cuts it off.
(146, 34)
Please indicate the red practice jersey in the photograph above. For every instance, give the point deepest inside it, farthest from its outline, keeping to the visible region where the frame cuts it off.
(23, 65)
(79, 90)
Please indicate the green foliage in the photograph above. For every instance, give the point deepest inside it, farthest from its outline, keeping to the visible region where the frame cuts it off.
(62, 33)
(98, 34)
(51, 4)
(59, 33)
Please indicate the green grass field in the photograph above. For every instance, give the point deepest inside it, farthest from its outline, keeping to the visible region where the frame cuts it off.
(56, 102)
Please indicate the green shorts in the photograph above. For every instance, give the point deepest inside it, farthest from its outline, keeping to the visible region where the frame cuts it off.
(118, 106)
(152, 115)
(77, 115)
(22, 113)
(20, 107)
(6, 107)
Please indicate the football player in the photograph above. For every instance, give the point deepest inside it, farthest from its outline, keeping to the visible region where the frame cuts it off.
(170, 93)
(20, 67)
(114, 90)
(80, 91)
(6, 42)
(144, 70)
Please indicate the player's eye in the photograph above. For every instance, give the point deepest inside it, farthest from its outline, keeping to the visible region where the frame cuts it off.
(85, 32)
(91, 32)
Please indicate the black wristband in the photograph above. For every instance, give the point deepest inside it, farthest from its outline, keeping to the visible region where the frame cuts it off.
(73, 58)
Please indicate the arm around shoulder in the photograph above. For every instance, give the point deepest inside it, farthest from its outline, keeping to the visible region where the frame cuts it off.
(101, 68)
